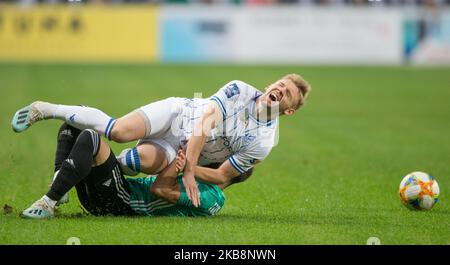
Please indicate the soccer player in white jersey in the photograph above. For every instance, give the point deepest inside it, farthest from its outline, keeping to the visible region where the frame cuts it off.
(237, 127)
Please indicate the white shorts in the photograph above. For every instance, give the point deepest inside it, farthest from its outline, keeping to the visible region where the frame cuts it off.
(158, 117)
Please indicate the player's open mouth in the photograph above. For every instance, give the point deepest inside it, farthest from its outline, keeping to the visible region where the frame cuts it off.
(275, 95)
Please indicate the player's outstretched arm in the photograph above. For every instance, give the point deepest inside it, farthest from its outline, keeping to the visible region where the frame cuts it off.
(219, 176)
(210, 118)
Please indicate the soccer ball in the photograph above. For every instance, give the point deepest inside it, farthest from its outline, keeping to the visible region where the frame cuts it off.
(419, 191)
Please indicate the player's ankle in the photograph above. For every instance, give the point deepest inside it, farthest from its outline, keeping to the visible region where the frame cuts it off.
(48, 110)
(51, 203)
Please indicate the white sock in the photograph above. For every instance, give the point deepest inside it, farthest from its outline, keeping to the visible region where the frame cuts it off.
(49, 201)
(85, 118)
(129, 169)
(48, 109)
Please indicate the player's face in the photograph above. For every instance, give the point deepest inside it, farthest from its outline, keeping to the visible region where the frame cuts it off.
(283, 95)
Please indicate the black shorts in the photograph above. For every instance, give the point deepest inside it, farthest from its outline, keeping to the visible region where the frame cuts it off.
(105, 191)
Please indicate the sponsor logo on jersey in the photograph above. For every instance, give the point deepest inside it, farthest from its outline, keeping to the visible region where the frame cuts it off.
(232, 90)
(107, 183)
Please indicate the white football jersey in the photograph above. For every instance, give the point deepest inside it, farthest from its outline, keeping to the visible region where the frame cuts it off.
(241, 139)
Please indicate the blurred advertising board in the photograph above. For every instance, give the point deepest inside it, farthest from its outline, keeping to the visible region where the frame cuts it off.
(200, 34)
(224, 34)
(281, 35)
(78, 33)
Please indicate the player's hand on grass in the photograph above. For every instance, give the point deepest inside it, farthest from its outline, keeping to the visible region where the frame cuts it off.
(191, 188)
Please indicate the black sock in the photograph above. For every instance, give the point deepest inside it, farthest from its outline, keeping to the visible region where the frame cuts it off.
(77, 165)
(67, 135)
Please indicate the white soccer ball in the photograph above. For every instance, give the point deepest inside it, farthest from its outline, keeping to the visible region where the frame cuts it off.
(419, 191)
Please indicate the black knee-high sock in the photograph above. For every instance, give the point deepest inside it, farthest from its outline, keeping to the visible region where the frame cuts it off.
(77, 165)
(67, 135)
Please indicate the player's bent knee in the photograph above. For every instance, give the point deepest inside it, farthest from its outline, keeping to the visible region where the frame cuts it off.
(103, 153)
(152, 159)
(89, 139)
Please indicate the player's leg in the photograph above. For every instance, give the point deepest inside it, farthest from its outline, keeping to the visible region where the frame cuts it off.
(78, 116)
(72, 170)
(152, 154)
(67, 136)
(149, 157)
(151, 120)
(129, 128)
(105, 191)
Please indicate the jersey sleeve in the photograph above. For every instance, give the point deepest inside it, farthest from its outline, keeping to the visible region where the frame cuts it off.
(246, 159)
(231, 94)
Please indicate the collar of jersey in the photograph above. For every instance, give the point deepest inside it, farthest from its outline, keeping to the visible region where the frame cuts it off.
(268, 123)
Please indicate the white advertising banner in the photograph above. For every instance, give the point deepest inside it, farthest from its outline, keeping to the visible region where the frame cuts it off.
(319, 35)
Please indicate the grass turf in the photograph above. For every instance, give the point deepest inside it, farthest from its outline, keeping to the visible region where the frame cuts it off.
(332, 179)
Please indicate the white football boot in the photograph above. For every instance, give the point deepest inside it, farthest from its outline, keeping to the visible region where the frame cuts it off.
(27, 116)
(39, 210)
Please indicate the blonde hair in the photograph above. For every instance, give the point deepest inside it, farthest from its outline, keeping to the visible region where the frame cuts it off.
(303, 87)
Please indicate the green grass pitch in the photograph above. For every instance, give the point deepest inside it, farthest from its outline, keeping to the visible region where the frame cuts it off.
(332, 179)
